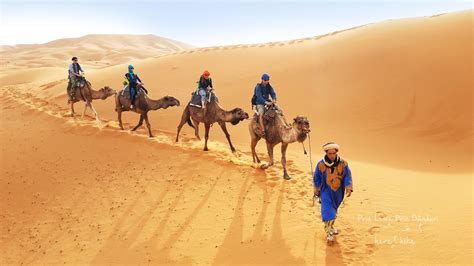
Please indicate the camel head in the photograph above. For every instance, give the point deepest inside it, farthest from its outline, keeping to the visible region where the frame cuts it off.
(169, 101)
(238, 115)
(107, 92)
(302, 126)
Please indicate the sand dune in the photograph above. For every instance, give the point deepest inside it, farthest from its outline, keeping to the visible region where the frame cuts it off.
(396, 95)
(403, 83)
(95, 51)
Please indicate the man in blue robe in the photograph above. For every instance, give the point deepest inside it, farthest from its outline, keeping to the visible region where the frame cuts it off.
(332, 178)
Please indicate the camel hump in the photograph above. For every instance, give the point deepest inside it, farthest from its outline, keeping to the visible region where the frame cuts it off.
(270, 114)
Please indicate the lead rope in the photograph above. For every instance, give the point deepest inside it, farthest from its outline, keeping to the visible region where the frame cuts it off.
(311, 165)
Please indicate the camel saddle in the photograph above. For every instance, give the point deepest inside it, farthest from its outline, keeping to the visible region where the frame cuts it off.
(81, 82)
(269, 115)
(196, 99)
(126, 92)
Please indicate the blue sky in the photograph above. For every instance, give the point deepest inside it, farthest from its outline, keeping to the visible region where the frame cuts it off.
(202, 23)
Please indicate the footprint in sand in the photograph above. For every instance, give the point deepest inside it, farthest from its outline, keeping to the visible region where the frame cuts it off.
(271, 183)
(380, 214)
(365, 201)
(374, 229)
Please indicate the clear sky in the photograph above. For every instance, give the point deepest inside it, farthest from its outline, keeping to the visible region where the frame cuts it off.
(203, 23)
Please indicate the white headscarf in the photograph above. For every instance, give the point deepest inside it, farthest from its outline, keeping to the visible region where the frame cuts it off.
(330, 146)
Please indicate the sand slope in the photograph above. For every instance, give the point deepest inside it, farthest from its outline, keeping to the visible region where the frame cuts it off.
(94, 51)
(374, 89)
(396, 95)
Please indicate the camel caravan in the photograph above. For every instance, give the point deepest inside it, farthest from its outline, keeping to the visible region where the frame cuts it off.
(332, 177)
(267, 123)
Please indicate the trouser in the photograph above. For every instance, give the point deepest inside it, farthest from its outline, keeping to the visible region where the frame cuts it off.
(133, 93)
(71, 87)
(203, 93)
(329, 227)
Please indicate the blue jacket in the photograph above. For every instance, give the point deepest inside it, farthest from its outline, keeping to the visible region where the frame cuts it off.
(132, 80)
(332, 184)
(263, 93)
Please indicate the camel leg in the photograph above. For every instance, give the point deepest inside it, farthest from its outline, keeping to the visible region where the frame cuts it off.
(118, 109)
(181, 124)
(227, 135)
(145, 116)
(206, 135)
(284, 146)
(84, 110)
(72, 109)
(95, 112)
(196, 129)
(140, 123)
(119, 116)
(270, 153)
(253, 144)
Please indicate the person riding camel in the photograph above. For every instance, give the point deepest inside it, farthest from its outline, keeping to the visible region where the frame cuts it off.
(261, 98)
(75, 71)
(204, 86)
(132, 80)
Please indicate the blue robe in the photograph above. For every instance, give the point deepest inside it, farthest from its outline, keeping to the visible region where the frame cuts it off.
(332, 187)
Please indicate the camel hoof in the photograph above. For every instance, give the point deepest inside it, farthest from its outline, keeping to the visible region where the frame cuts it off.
(264, 166)
(286, 176)
(233, 150)
(206, 149)
(151, 136)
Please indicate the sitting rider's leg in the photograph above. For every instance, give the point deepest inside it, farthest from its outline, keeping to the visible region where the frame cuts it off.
(72, 91)
(132, 96)
(202, 93)
(260, 110)
(68, 90)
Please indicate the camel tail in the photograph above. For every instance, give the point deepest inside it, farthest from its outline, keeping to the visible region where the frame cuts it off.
(189, 122)
(188, 119)
(187, 116)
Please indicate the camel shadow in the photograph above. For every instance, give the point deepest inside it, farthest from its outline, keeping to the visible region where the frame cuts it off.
(118, 249)
(259, 248)
(334, 254)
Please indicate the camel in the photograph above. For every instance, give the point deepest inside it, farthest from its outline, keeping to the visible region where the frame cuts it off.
(214, 114)
(143, 104)
(277, 132)
(85, 93)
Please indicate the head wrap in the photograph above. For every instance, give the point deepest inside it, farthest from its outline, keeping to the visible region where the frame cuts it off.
(330, 146)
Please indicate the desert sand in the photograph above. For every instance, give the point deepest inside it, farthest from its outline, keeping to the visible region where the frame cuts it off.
(396, 95)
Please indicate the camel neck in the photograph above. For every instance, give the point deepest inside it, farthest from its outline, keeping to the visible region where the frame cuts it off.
(154, 104)
(289, 135)
(96, 94)
(221, 114)
(225, 115)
